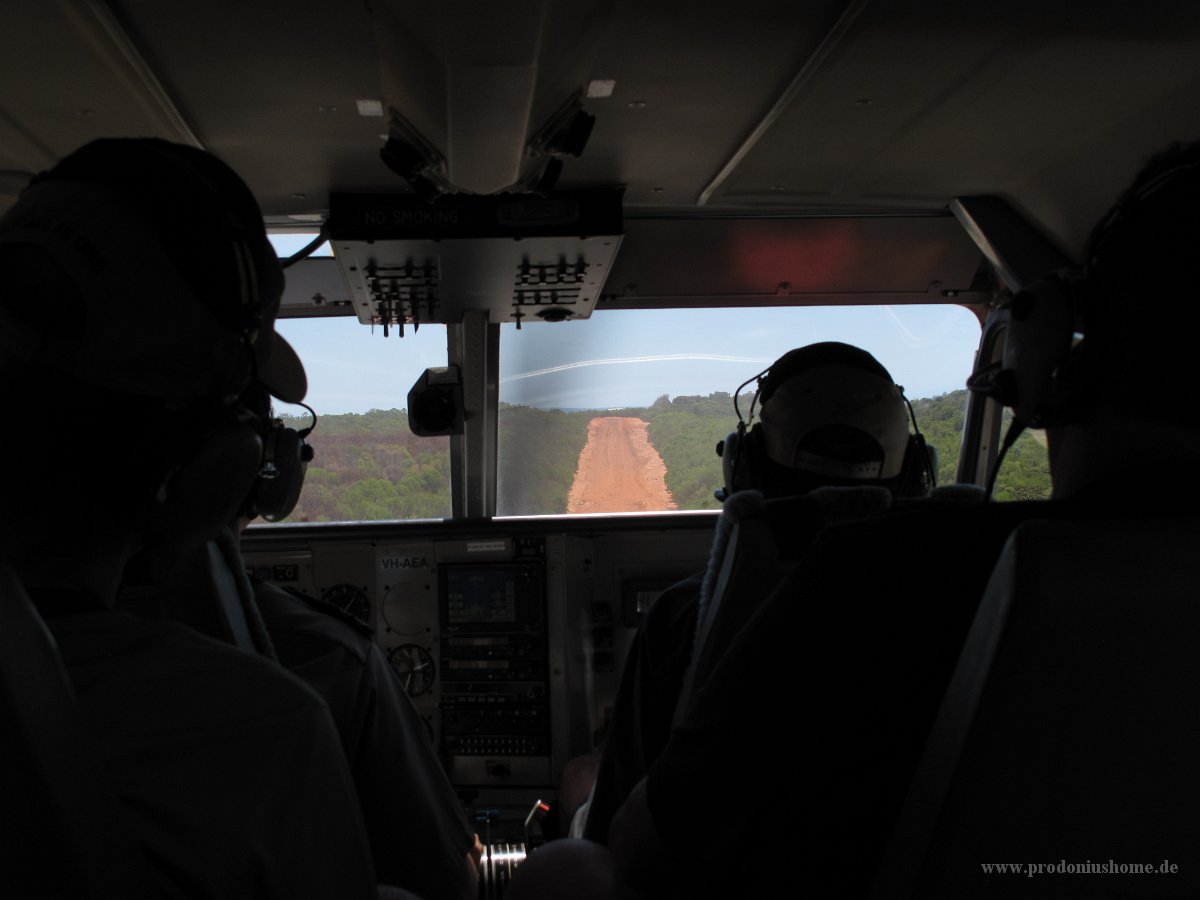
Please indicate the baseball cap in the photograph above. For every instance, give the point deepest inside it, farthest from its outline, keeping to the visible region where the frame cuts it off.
(179, 285)
(831, 389)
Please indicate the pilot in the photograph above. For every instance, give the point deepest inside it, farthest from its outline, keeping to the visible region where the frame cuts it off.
(861, 668)
(418, 832)
(865, 667)
(830, 416)
(419, 836)
(139, 301)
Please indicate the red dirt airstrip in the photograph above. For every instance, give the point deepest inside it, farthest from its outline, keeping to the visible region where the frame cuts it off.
(619, 470)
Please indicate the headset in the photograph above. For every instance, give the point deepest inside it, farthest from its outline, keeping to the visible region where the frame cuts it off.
(1041, 363)
(214, 448)
(239, 457)
(185, 191)
(745, 463)
(286, 454)
(285, 458)
(204, 488)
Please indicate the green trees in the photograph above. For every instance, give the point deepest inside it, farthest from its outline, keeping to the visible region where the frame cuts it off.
(371, 466)
(685, 432)
(1025, 473)
(538, 452)
(941, 421)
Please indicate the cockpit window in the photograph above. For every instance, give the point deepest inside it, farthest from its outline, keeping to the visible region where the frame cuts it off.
(622, 412)
(368, 465)
(1025, 470)
(618, 413)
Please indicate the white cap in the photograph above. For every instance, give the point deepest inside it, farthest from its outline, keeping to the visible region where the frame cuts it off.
(836, 394)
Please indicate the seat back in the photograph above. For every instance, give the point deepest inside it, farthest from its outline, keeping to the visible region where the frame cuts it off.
(1068, 740)
(757, 542)
(63, 834)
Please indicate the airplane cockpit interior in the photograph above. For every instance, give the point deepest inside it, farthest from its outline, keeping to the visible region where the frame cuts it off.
(533, 248)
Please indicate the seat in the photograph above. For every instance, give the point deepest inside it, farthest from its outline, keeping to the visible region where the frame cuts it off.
(1070, 731)
(63, 834)
(757, 542)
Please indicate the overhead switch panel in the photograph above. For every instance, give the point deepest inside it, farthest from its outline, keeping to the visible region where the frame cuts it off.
(520, 257)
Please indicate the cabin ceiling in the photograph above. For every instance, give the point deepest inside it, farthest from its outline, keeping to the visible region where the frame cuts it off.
(763, 106)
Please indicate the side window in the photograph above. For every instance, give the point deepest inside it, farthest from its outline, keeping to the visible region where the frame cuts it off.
(367, 464)
(618, 413)
(1025, 470)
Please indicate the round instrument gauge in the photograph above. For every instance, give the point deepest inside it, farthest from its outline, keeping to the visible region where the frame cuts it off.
(350, 599)
(414, 664)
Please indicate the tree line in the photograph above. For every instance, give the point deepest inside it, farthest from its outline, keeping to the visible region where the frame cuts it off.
(369, 466)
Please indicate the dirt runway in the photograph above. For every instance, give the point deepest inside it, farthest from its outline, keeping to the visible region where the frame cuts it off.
(619, 470)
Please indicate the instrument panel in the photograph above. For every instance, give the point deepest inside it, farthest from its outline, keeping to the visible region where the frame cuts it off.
(508, 635)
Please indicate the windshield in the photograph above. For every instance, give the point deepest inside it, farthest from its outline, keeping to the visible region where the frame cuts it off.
(618, 413)
(622, 412)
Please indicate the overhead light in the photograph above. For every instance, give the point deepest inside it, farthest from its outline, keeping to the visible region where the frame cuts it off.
(369, 107)
(601, 87)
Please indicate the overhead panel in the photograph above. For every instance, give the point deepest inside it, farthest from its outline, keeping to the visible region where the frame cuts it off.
(521, 258)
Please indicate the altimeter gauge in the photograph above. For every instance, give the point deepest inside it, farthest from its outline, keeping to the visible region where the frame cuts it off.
(414, 664)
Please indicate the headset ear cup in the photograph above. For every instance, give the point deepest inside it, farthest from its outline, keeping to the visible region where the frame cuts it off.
(730, 447)
(916, 472)
(739, 460)
(923, 476)
(285, 458)
(747, 468)
(1037, 343)
(205, 492)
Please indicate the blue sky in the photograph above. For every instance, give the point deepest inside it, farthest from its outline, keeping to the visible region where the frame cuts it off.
(628, 358)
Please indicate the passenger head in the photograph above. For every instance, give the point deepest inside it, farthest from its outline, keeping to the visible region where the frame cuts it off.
(1120, 399)
(1140, 304)
(139, 304)
(830, 416)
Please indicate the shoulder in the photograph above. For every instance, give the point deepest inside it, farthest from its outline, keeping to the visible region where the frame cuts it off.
(126, 665)
(290, 598)
(292, 615)
(210, 747)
